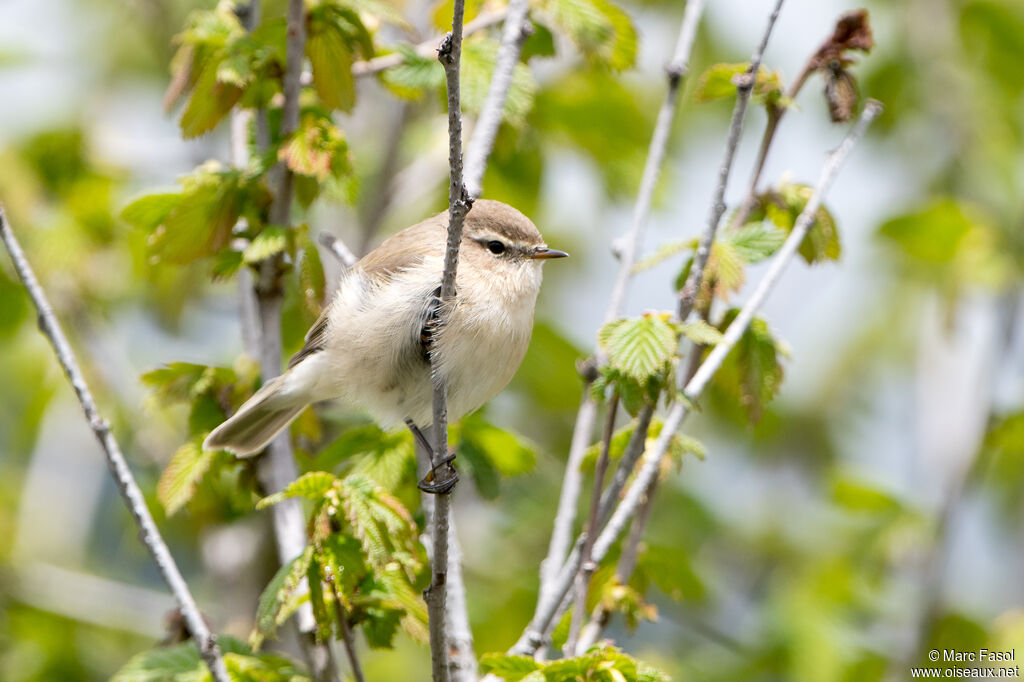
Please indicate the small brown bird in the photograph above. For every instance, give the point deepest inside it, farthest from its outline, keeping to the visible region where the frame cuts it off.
(373, 345)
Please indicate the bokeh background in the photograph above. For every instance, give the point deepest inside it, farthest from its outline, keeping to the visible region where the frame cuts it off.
(871, 514)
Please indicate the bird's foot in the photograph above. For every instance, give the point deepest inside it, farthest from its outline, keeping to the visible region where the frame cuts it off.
(441, 478)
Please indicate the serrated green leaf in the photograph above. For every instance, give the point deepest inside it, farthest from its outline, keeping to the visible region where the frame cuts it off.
(317, 149)
(755, 241)
(280, 598)
(700, 332)
(187, 466)
(509, 668)
(202, 220)
(640, 347)
(311, 485)
(271, 241)
(226, 264)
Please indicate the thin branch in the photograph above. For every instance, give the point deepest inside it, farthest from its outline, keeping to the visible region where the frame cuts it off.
(338, 249)
(676, 70)
(428, 48)
(744, 88)
(277, 468)
(587, 566)
(205, 641)
(481, 142)
(535, 633)
(459, 203)
(348, 638)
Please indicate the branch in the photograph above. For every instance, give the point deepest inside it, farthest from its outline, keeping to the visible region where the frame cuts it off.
(347, 638)
(676, 71)
(339, 249)
(588, 566)
(205, 641)
(277, 468)
(535, 633)
(481, 142)
(744, 88)
(459, 203)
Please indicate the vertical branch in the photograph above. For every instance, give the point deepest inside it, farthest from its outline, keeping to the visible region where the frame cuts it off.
(481, 142)
(535, 633)
(744, 88)
(676, 72)
(205, 641)
(587, 566)
(459, 203)
(277, 467)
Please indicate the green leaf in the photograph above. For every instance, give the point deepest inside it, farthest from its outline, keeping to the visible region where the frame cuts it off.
(641, 346)
(509, 668)
(700, 332)
(210, 102)
(478, 59)
(752, 373)
(860, 496)
(202, 221)
(181, 476)
(311, 274)
(312, 486)
(226, 264)
(150, 211)
(317, 149)
(271, 241)
(335, 34)
(280, 598)
(931, 235)
(664, 252)
(415, 75)
(755, 241)
(719, 80)
(600, 29)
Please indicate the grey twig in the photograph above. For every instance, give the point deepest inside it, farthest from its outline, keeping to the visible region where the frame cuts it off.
(586, 565)
(676, 70)
(459, 203)
(481, 142)
(535, 633)
(205, 641)
(339, 249)
(744, 88)
(277, 467)
(348, 638)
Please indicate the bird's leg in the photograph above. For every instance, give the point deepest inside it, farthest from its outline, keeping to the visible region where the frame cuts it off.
(442, 477)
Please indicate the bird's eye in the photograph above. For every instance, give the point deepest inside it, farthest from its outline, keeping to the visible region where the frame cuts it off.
(495, 246)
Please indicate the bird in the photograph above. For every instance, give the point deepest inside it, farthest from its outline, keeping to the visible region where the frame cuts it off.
(386, 338)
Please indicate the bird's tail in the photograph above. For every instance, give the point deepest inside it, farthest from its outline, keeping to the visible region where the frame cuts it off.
(258, 420)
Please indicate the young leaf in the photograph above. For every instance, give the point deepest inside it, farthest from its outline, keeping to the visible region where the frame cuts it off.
(600, 29)
(641, 346)
(509, 668)
(181, 476)
(719, 81)
(700, 332)
(415, 75)
(752, 372)
(272, 240)
(312, 485)
(335, 34)
(755, 241)
(280, 598)
(210, 102)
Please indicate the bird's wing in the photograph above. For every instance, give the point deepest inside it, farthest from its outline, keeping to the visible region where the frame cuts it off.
(396, 254)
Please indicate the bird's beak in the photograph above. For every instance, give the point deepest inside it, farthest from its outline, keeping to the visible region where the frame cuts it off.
(544, 253)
